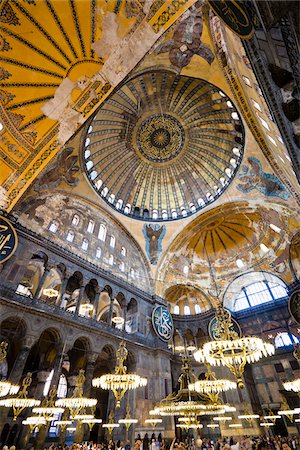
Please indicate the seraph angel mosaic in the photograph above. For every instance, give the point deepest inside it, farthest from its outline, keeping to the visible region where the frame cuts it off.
(154, 235)
(253, 177)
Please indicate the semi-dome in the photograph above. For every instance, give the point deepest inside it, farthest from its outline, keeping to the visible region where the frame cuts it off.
(163, 146)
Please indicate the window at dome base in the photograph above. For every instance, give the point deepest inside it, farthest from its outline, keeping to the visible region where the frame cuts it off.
(163, 146)
(285, 340)
(253, 289)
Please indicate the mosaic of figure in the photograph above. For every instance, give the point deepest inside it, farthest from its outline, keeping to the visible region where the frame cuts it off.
(186, 41)
(254, 177)
(154, 235)
(63, 170)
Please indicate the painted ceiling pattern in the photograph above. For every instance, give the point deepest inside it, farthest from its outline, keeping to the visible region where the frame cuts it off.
(163, 146)
(58, 60)
(182, 295)
(226, 241)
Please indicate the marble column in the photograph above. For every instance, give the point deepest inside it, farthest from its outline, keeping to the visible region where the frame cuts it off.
(20, 361)
(124, 315)
(110, 311)
(83, 432)
(39, 289)
(43, 431)
(16, 372)
(89, 371)
(80, 296)
(62, 289)
(96, 304)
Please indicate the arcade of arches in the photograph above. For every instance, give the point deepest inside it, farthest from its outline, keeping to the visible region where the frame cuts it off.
(149, 156)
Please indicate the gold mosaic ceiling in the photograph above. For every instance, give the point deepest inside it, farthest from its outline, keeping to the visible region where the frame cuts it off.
(163, 146)
(59, 59)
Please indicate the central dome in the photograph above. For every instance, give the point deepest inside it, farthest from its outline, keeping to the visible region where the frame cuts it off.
(163, 146)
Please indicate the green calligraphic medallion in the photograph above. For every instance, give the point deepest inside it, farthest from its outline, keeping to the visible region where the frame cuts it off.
(214, 330)
(235, 15)
(162, 323)
(8, 240)
(294, 306)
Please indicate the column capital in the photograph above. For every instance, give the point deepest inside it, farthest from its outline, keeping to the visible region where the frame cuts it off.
(92, 357)
(28, 342)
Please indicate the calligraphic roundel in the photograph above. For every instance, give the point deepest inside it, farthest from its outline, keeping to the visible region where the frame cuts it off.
(162, 323)
(8, 240)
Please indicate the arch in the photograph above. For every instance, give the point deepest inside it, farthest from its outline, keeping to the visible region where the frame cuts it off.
(78, 354)
(51, 286)
(132, 307)
(75, 220)
(43, 353)
(294, 255)
(12, 330)
(243, 291)
(184, 296)
(72, 290)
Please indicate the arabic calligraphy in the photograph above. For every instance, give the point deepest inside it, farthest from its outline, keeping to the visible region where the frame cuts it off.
(235, 16)
(294, 306)
(8, 240)
(162, 323)
(214, 329)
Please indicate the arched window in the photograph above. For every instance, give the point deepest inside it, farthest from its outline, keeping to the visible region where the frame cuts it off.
(53, 227)
(102, 232)
(85, 244)
(91, 226)
(70, 236)
(197, 309)
(111, 260)
(122, 266)
(119, 204)
(186, 310)
(285, 339)
(62, 388)
(104, 192)
(62, 391)
(127, 208)
(75, 220)
(259, 292)
(98, 183)
(164, 214)
(123, 251)
(112, 242)
(48, 383)
(89, 164)
(186, 270)
(176, 309)
(98, 252)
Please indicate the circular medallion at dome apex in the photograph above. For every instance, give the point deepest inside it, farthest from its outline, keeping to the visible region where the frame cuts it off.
(163, 146)
(160, 137)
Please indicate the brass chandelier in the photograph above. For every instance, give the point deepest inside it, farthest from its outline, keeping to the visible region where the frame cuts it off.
(47, 409)
(22, 400)
(77, 401)
(6, 387)
(187, 402)
(230, 350)
(295, 384)
(120, 381)
(212, 386)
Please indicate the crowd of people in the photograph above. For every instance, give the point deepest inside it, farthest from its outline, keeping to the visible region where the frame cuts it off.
(158, 443)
